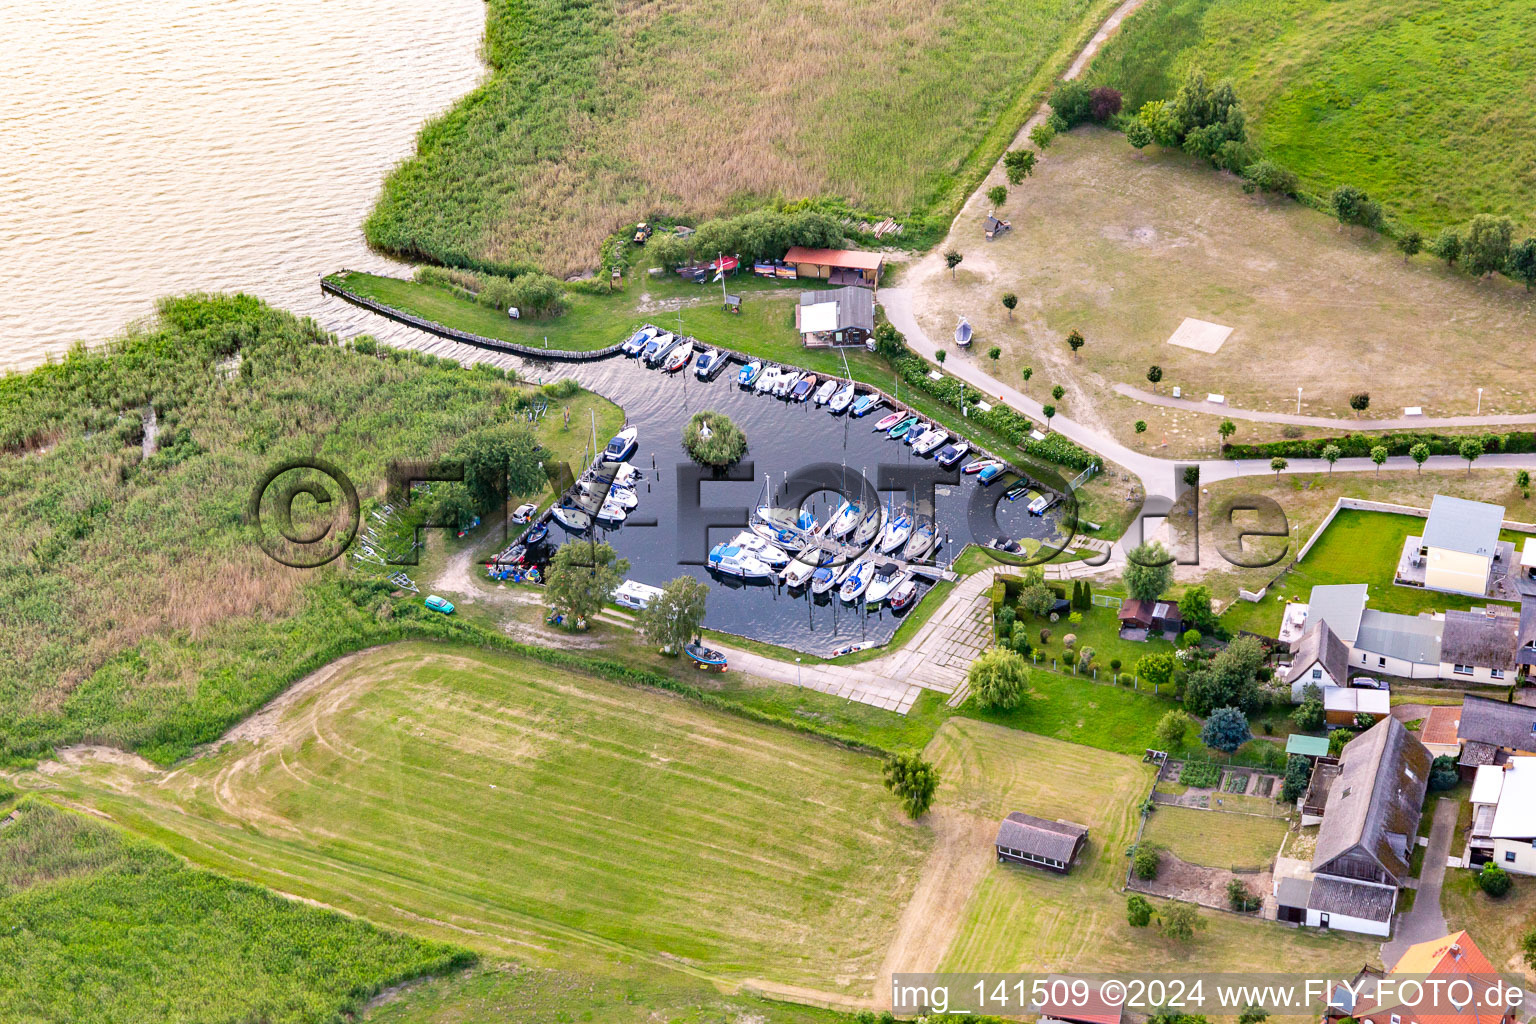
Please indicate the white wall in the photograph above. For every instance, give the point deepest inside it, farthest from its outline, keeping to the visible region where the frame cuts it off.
(1370, 663)
(1525, 856)
(1349, 924)
(1479, 675)
(1457, 572)
(1306, 680)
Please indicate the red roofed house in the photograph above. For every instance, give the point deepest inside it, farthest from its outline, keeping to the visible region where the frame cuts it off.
(1452, 958)
(838, 266)
(1081, 1002)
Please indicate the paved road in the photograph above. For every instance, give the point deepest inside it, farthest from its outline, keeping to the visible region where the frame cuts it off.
(1425, 921)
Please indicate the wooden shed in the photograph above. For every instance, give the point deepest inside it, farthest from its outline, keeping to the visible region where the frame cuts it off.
(837, 266)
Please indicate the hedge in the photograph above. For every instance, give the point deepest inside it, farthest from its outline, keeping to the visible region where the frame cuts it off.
(1360, 445)
(1000, 418)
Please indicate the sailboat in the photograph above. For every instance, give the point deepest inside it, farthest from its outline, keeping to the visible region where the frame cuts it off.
(897, 529)
(921, 542)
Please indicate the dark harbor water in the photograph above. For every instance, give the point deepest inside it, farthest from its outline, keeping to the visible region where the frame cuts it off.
(784, 440)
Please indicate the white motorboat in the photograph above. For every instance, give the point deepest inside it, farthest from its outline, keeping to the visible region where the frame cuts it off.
(730, 560)
(612, 512)
(653, 349)
(824, 579)
(768, 379)
(922, 541)
(800, 570)
(903, 595)
(1039, 505)
(971, 468)
(771, 554)
(963, 333)
(843, 398)
(888, 576)
(573, 519)
(624, 497)
(844, 519)
(897, 529)
(915, 433)
(952, 453)
(869, 525)
(857, 581)
(667, 342)
(625, 475)
(708, 363)
(787, 380)
(930, 441)
(825, 392)
(637, 341)
(623, 445)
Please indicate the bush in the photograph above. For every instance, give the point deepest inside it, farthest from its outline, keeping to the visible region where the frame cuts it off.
(1493, 880)
(565, 387)
(1226, 729)
(1104, 103)
(1146, 862)
(1138, 912)
(724, 443)
(1364, 720)
(1309, 715)
(1241, 898)
(1071, 102)
(1298, 773)
(1443, 774)
(1172, 728)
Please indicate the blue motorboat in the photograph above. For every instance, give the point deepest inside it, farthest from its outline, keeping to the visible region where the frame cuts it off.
(622, 445)
(705, 658)
(536, 535)
(637, 341)
(864, 403)
(990, 473)
(747, 375)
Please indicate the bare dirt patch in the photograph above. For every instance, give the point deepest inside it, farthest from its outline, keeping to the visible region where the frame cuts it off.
(1177, 879)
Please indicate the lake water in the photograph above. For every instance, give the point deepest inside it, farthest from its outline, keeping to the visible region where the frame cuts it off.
(191, 145)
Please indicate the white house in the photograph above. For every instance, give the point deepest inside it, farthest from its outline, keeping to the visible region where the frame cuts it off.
(1504, 814)
(1456, 552)
(1480, 646)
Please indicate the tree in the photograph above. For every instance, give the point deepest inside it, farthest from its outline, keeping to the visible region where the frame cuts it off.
(1360, 401)
(1364, 720)
(1026, 373)
(1148, 571)
(1471, 449)
(994, 352)
(1337, 740)
(1268, 176)
(1191, 475)
(1523, 479)
(1298, 773)
(998, 678)
(1179, 922)
(1278, 465)
(1253, 1015)
(1410, 243)
(1138, 912)
(1419, 453)
(453, 505)
(1075, 341)
(1010, 303)
(1522, 262)
(672, 619)
(1226, 430)
(1156, 669)
(1241, 898)
(1447, 246)
(1042, 134)
(1071, 102)
(1195, 608)
(498, 461)
(913, 780)
(953, 259)
(1146, 862)
(1443, 773)
(1225, 730)
(1018, 164)
(889, 342)
(1353, 206)
(1486, 248)
(1037, 598)
(1230, 679)
(1331, 453)
(1379, 456)
(1104, 103)
(996, 194)
(1154, 374)
(1493, 880)
(581, 579)
(1048, 411)
(1172, 728)
(1309, 715)
(1058, 392)
(1138, 134)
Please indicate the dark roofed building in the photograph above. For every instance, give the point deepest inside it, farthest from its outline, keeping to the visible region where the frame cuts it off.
(1525, 651)
(1372, 814)
(1332, 897)
(1492, 729)
(1321, 659)
(995, 226)
(1026, 839)
(1156, 616)
(1480, 645)
(842, 316)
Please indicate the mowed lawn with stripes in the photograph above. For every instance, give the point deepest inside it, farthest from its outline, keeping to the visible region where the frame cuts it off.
(1021, 918)
(551, 817)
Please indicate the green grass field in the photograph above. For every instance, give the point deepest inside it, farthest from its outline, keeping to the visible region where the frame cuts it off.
(1216, 839)
(1424, 105)
(102, 929)
(556, 819)
(1359, 547)
(603, 114)
(1019, 918)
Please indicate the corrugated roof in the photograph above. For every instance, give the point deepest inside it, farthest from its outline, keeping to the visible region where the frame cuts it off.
(852, 259)
(1516, 814)
(1456, 524)
(1307, 746)
(1319, 644)
(1376, 801)
(1056, 840)
(1341, 605)
(1411, 638)
(1480, 639)
(1351, 899)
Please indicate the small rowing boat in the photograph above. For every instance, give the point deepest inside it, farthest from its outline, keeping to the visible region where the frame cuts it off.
(705, 658)
(887, 422)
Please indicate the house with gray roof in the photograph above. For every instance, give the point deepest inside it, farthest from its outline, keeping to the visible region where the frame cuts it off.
(1525, 638)
(1374, 796)
(1459, 549)
(1321, 660)
(1479, 646)
(1053, 845)
(1492, 730)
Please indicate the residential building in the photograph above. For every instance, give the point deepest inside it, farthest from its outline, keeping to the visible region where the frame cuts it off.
(1446, 960)
(1479, 646)
(838, 266)
(1320, 660)
(842, 316)
(1095, 1008)
(1342, 705)
(1441, 731)
(1492, 731)
(1525, 639)
(1504, 815)
(1459, 548)
(1406, 646)
(1371, 801)
(1053, 845)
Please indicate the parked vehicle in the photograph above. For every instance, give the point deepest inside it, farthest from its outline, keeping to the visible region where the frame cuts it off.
(525, 512)
(642, 233)
(438, 604)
